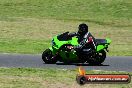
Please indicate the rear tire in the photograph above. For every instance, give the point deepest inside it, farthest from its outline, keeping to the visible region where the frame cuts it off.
(47, 57)
(98, 58)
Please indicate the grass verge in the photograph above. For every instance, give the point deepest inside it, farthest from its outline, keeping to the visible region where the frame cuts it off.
(49, 78)
(27, 26)
(35, 35)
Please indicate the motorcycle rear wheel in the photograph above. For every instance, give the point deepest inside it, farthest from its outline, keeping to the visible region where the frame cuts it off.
(98, 59)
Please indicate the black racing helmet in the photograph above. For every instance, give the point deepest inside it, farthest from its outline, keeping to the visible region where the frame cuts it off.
(82, 29)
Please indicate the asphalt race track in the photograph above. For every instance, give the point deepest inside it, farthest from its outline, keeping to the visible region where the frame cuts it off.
(117, 63)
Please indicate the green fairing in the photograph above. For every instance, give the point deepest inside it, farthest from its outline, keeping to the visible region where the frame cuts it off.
(108, 40)
(74, 41)
(71, 56)
(58, 44)
(101, 47)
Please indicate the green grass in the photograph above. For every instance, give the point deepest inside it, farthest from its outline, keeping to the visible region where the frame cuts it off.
(27, 26)
(49, 78)
(63, 9)
(23, 46)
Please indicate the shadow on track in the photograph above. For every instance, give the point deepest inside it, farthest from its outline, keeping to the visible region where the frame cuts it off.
(79, 64)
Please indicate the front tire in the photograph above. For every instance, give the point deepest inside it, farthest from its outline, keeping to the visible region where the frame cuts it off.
(98, 58)
(47, 57)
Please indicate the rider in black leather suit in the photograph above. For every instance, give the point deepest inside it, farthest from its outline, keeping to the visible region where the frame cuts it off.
(85, 38)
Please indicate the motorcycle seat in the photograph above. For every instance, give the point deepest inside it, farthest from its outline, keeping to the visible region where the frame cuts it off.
(101, 41)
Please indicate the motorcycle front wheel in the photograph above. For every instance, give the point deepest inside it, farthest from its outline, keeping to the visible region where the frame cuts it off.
(47, 57)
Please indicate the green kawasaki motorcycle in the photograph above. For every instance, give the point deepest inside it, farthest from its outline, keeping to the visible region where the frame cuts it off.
(60, 51)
